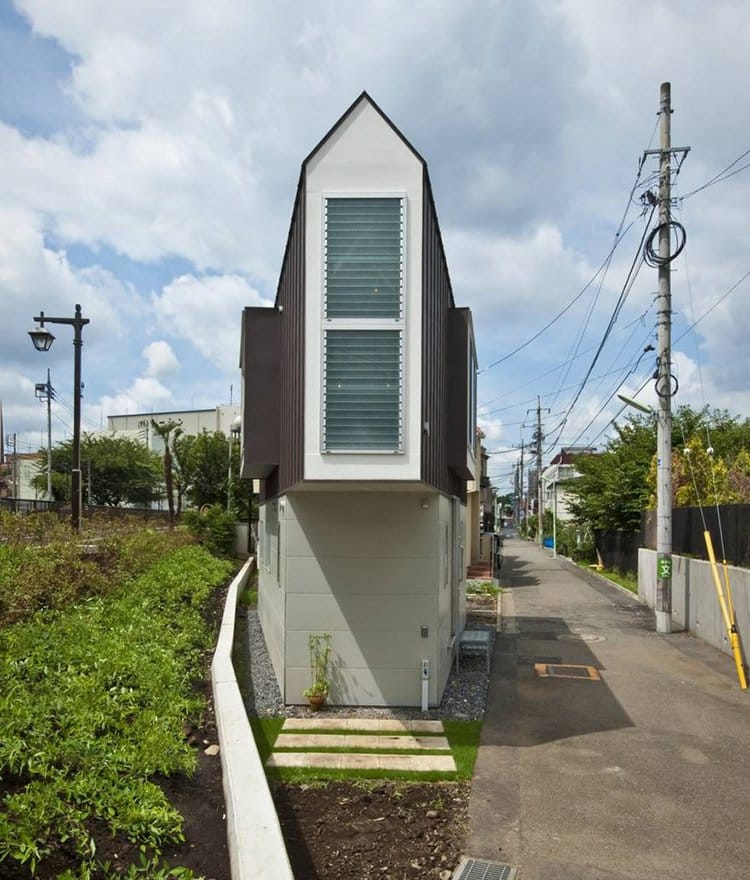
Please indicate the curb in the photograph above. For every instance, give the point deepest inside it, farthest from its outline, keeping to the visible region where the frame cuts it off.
(256, 844)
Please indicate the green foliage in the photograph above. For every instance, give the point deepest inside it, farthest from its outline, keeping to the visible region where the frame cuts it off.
(93, 702)
(617, 485)
(43, 565)
(483, 588)
(213, 527)
(123, 471)
(612, 491)
(319, 645)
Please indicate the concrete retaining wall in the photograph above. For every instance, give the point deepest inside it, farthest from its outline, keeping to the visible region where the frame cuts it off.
(695, 606)
(256, 845)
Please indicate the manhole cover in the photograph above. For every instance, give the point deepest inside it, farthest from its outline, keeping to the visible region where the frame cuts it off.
(567, 670)
(580, 637)
(474, 869)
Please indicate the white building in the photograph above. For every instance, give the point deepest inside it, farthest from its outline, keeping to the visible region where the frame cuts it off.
(359, 407)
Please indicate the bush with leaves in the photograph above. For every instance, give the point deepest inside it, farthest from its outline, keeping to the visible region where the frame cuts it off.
(93, 701)
(213, 527)
(43, 564)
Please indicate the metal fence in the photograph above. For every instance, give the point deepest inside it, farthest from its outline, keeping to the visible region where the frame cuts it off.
(729, 528)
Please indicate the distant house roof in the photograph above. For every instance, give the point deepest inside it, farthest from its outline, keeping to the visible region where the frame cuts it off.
(567, 454)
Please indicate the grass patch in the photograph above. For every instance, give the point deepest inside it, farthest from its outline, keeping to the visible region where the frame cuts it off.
(628, 580)
(265, 731)
(462, 736)
(93, 703)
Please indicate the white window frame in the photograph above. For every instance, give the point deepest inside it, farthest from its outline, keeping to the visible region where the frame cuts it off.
(332, 324)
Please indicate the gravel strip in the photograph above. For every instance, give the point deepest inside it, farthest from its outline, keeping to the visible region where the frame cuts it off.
(464, 697)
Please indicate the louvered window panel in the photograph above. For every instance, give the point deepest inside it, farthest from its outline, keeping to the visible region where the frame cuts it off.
(362, 389)
(364, 258)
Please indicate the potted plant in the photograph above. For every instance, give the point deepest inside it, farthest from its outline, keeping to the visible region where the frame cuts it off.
(320, 655)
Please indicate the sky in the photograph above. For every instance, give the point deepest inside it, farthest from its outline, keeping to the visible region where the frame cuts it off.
(150, 154)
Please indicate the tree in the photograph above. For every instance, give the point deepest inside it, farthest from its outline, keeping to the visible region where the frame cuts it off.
(612, 490)
(163, 430)
(122, 471)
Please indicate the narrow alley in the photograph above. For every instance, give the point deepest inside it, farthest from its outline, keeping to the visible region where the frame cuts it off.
(642, 774)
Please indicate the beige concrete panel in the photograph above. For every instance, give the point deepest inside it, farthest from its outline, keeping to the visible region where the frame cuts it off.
(381, 574)
(361, 687)
(350, 539)
(364, 506)
(379, 648)
(367, 613)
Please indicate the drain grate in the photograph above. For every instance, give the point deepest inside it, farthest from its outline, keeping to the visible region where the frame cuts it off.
(474, 869)
(567, 670)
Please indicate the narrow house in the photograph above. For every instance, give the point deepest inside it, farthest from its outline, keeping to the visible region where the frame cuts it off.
(359, 407)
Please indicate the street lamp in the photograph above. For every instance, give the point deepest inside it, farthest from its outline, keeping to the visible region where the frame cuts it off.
(234, 434)
(43, 339)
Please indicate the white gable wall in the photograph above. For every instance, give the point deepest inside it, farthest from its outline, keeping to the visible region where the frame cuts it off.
(363, 157)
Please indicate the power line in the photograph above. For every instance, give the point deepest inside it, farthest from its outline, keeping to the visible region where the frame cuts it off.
(624, 293)
(720, 177)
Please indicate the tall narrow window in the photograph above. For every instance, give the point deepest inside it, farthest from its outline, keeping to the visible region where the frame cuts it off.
(363, 325)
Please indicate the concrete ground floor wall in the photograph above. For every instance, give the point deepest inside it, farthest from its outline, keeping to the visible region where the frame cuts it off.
(695, 606)
(382, 572)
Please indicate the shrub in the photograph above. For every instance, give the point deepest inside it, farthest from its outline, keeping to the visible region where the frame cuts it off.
(43, 564)
(213, 527)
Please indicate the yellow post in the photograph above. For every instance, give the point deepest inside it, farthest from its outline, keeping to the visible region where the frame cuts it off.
(734, 639)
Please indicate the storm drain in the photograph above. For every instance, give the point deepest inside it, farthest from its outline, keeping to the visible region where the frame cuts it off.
(474, 869)
(567, 670)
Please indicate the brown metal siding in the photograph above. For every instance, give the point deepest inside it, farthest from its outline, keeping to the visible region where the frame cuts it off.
(290, 298)
(260, 376)
(437, 302)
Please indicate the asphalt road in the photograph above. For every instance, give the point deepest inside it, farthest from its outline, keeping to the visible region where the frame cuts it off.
(643, 774)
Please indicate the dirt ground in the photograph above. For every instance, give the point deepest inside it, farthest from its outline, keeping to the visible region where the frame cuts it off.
(390, 831)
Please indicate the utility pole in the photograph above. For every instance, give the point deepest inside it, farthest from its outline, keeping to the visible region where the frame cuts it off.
(520, 496)
(539, 436)
(664, 379)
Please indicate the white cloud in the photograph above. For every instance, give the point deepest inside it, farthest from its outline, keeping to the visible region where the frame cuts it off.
(161, 359)
(207, 313)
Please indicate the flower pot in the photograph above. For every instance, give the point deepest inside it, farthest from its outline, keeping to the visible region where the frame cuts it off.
(316, 701)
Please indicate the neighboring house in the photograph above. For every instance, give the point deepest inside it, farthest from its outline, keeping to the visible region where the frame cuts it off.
(17, 474)
(360, 385)
(556, 479)
(480, 517)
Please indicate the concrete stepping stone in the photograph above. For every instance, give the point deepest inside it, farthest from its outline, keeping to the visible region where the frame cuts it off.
(359, 741)
(354, 761)
(370, 724)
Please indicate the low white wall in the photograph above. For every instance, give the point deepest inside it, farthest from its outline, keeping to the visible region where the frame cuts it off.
(256, 844)
(695, 606)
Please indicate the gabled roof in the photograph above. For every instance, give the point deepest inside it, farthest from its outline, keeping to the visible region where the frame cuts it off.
(298, 199)
(352, 107)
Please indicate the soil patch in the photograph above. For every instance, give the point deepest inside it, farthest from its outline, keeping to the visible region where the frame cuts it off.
(342, 831)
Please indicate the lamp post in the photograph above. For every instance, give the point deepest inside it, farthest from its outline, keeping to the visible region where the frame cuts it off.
(43, 339)
(44, 392)
(234, 434)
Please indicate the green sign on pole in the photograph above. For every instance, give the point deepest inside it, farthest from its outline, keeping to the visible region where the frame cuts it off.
(664, 567)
